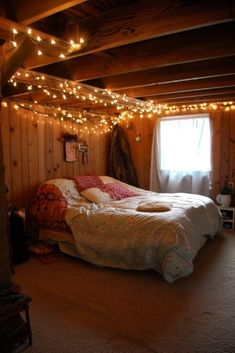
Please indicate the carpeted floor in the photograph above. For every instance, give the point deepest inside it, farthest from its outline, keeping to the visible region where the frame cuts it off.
(79, 308)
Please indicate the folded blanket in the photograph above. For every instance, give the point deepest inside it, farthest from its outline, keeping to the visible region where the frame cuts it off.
(153, 206)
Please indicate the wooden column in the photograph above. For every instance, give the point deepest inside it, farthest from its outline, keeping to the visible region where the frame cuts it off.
(10, 61)
(5, 280)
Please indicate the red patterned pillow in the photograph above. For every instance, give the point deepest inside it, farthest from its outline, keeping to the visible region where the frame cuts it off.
(48, 207)
(117, 191)
(87, 181)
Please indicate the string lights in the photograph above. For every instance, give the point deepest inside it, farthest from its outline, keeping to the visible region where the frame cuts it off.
(54, 90)
(45, 44)
(77, 121)
(66, 89)
(102, 123)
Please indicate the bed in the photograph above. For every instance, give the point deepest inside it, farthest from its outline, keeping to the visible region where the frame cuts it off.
(109, 223)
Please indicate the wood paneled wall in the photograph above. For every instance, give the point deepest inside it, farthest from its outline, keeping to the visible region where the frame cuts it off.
(223, 147)
(34, 152)
(140, 151)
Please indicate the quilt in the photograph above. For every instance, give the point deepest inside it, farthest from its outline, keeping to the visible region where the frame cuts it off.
(121, 234)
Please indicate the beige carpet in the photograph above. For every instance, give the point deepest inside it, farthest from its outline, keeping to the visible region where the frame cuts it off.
(79, 308)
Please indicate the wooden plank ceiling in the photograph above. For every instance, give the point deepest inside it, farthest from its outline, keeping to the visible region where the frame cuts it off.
(172, 52)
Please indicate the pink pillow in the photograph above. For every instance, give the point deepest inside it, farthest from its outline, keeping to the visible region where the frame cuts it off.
(117, 191)
(87, 181)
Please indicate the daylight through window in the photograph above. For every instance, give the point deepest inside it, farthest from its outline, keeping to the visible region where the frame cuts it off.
(185, 144)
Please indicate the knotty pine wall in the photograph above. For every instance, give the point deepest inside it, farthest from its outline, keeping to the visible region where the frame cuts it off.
(223, 147)
(33, 152)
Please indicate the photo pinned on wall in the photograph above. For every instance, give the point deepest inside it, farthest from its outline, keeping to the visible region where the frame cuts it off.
(83, 148)
(70, 147)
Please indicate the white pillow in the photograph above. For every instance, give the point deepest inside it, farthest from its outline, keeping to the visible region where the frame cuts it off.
(96, 195)
(69, 190)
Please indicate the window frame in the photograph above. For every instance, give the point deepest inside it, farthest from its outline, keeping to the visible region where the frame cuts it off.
(183, 117)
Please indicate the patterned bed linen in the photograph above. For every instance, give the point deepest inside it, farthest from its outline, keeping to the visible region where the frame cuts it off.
(52, 198)
(117, 235)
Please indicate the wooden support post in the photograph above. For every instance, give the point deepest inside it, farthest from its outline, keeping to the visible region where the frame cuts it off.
(8, 66)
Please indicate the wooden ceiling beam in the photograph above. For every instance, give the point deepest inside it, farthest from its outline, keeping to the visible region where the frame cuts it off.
(69, 102)
(212, 95)
(192, 85)
(12, 60)
(193, 94)
(68, 105)
(6, 33)
(66, 89)
(182, 72)
(38, 95)
(115, 29)
(202, 94)
(200, 44)
(198, 100)
(29, 11)
(143, 20)
(50, 52)
(139, 49)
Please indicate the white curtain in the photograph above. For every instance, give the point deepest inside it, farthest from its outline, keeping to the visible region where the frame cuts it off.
(181, 155)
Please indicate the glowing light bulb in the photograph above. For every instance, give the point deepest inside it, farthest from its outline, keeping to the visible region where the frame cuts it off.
(77, 46)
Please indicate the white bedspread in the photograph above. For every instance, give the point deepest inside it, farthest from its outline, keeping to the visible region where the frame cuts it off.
(117, 235)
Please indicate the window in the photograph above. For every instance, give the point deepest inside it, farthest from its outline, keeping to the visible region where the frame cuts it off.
(185, 144)
(181, 154)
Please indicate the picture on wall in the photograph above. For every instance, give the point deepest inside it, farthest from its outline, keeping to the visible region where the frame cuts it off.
(70, 148)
